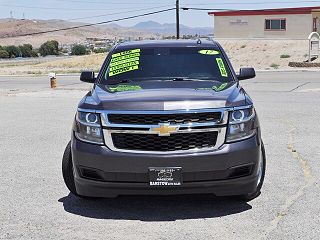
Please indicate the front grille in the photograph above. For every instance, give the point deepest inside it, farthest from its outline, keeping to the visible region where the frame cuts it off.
(174, 142)
(180, 118)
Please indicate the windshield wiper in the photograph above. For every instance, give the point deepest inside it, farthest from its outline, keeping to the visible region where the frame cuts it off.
(110, 82)
(169, 79)
(191, 79)
(178, 79)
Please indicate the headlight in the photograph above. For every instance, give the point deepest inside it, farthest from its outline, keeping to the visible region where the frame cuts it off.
(88, 127)
(241, 124)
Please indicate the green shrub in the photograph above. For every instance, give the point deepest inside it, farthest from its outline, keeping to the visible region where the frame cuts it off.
(4, 53)
(79, 49)
(243, 46)
(100, 50)
(13, 51)
(34, 53)
(285, 56)
(27, 51)
(49, 48)
(275, 66)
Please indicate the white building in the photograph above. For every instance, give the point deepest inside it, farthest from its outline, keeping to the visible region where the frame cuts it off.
(284, 23)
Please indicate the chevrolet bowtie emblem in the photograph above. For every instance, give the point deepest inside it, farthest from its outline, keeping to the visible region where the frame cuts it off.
(164, 130)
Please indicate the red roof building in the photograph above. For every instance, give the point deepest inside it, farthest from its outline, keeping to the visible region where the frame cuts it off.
(283, 23)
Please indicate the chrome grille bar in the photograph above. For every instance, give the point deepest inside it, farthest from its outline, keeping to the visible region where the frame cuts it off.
(219, 126)
(222, 121)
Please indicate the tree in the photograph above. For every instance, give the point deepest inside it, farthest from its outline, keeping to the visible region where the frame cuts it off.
(13, 51)
(78, 49)
(49, 48)
(4, 53)
(34, 53)
(27, 51)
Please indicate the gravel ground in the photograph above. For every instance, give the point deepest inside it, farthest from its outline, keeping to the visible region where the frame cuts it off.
(35, 124)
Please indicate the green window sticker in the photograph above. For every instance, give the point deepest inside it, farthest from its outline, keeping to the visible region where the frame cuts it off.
(222, 68)
(215, 88)
(220, 88)
(209, 52)
(125, 61)
(122, 70)
(124, 88)
(125, 53)
(124, 57)
(124, 65)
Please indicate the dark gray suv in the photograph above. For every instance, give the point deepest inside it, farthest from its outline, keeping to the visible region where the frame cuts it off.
(165, 117)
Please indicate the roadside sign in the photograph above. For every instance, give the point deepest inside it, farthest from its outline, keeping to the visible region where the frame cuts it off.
(313, 45)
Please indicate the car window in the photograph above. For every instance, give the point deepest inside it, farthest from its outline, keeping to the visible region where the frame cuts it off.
(145, 64)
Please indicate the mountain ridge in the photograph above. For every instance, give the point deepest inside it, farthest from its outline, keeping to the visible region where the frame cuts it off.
(170, 28)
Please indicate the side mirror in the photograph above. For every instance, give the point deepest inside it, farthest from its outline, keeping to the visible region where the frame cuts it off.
(88, 77)
(246, 73)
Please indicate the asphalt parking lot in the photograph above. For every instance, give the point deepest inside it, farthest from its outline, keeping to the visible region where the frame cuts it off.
(35, 126)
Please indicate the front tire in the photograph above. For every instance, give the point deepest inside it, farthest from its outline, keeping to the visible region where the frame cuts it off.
(67, 170)
(250, 196)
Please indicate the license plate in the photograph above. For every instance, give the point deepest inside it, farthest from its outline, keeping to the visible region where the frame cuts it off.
(160, 176)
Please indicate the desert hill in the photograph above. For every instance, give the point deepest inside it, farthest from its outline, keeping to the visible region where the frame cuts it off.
(10, 28)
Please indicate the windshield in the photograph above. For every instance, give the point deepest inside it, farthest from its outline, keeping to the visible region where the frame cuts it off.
(163, 63)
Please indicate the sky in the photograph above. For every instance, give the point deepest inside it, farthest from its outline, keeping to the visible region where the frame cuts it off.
(91, 11)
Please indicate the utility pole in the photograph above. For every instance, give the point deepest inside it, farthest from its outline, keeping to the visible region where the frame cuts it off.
(177, 19)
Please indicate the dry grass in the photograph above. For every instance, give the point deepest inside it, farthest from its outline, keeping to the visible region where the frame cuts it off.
(66, 65)
(87, 61)
(76, 63)
(261, 54)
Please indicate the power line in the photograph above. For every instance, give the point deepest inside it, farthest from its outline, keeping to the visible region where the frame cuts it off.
(250, 3)
(112, 3)
(51, 8)
(56, 8)
(225, 3)
(116, 13)
(93, 24)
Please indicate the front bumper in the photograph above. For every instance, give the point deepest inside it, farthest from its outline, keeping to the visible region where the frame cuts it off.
(203, 172)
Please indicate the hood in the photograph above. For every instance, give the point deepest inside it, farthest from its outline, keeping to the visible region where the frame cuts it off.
(163, 99)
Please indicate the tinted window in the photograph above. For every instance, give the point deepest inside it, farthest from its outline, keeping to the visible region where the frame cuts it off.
(275, 24)
(167, 63)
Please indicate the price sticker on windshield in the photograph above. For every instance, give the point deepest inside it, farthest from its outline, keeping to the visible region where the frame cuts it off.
(125, 61)
(222, 68)
(209, 52)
